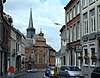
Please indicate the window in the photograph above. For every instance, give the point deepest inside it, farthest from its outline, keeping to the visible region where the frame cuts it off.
(17, 47)
(74, 12)
(86, 58)
(78, 8)
(91, 1)
(85, 23)
(37, 58)
(84, 3)
(70, 14)
(93, 56)
(79, 30)
(44, 58)
(67, 35)
(92, 20)
(71, 34)
(74, 30)
(67, 17)
(98, 17)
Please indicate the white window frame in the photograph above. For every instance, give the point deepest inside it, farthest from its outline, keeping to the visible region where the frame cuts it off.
(85, 20)
(71, 14)
(84, 3)
(92, 21)
(74, 12)
(67, 17)
(78, 8)
(98, 18)
(79, 30)
(74, 30)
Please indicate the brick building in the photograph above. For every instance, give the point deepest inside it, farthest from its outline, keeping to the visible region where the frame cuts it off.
(38, 53)
(44, 54)
(72, 18)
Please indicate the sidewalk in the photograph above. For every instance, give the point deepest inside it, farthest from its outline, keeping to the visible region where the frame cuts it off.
(18, 74)
(21, 73)
(24, 72)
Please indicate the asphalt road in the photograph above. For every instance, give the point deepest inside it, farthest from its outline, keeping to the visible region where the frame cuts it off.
(32, 75)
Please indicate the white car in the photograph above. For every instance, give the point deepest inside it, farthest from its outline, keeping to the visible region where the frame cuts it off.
(71, 71)
(33, 70)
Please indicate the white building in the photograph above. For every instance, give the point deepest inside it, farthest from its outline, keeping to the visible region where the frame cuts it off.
(58, 58)
(13, 48)
(64, 54)
(23, 42)
(90, 18)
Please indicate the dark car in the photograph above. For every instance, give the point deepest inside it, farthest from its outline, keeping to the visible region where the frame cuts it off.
(49, 72)
(96, 73)
(70, 72)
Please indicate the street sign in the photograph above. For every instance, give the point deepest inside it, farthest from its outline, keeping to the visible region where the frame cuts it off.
(11, 69)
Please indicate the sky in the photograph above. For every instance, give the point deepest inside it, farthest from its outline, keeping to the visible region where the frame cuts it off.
(45, 13)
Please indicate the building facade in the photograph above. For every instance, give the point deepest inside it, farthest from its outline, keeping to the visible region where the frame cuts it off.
(90, 17)
(58, 58)
(1, 39)
(29, 61)
(64, 54)
(73, 32)
(12, 55)
(44, 54)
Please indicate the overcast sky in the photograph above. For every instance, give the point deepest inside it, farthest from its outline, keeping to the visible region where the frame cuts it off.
(45, 14)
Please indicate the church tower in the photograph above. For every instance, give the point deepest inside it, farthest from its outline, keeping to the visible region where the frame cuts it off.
(30, 29)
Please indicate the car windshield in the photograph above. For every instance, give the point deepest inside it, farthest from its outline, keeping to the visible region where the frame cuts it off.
(73, 68)
(33, 68)
(51, 67)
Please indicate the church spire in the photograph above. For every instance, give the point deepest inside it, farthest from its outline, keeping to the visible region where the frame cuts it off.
(30, 29)
(30, 19)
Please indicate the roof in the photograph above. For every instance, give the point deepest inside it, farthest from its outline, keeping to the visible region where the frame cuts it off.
(58, 53)
(63, 27)
(69, 4)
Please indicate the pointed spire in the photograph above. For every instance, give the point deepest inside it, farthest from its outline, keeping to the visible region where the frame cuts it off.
(30, 20)
(40, 30)
(30, 29)
(41, 34)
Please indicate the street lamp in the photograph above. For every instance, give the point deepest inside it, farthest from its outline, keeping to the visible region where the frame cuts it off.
(58, 24)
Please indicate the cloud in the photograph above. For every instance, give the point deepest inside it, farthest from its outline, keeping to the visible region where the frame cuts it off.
(45, 14)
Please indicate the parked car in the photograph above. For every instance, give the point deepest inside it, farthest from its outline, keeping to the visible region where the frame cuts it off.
(49, 72)
(33, 70)
(70, 72)
(96, 73)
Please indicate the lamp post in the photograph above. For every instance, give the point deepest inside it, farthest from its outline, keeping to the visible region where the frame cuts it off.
(1, 23)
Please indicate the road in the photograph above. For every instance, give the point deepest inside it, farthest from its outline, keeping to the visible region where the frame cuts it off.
(32, 75)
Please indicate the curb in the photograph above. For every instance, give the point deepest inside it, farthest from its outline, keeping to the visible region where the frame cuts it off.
(19, 74)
